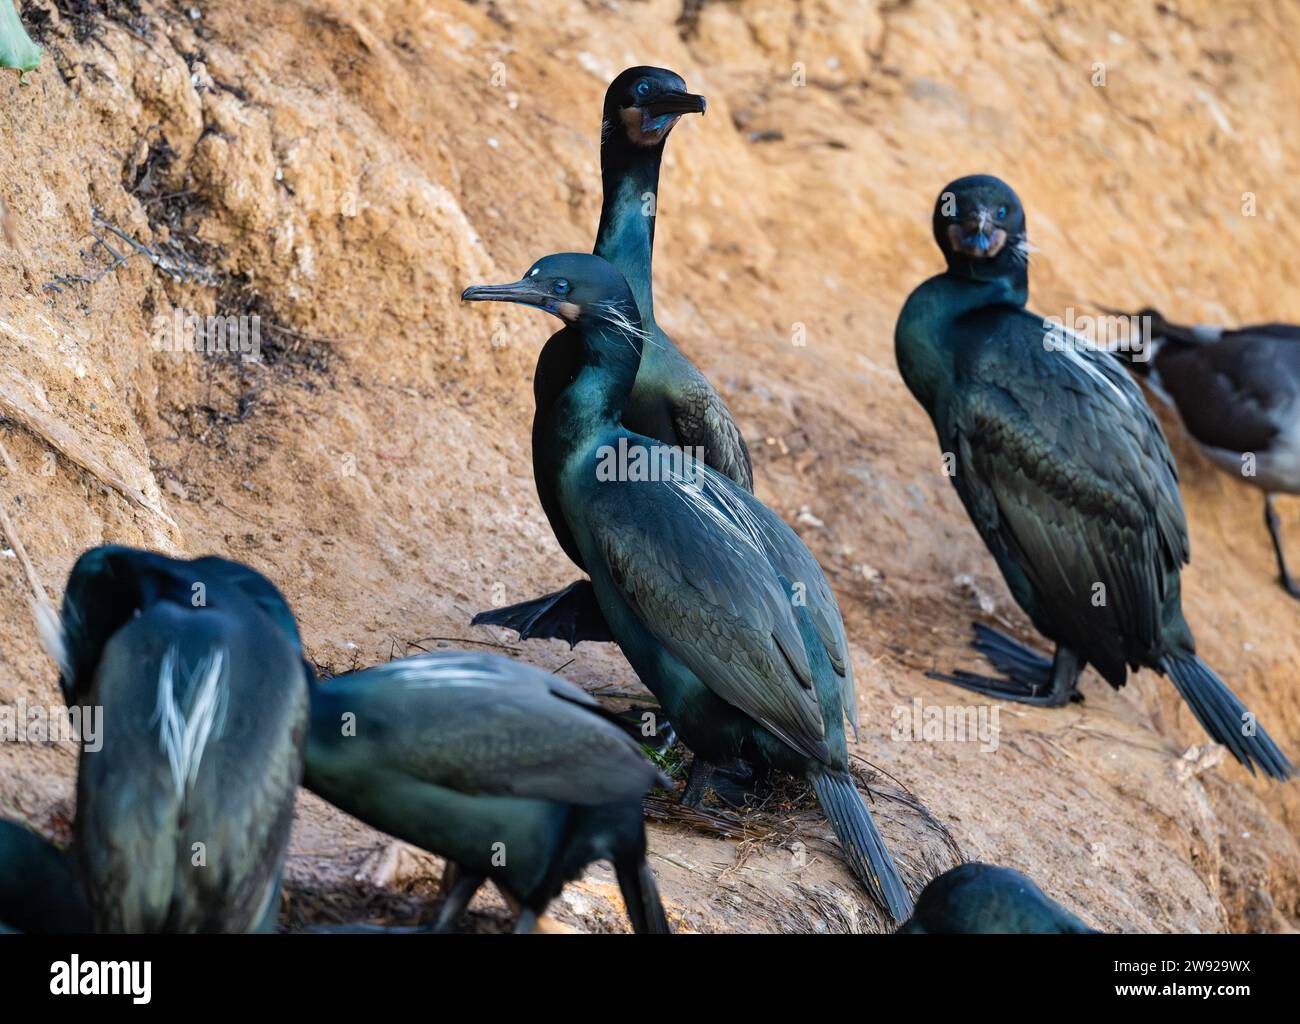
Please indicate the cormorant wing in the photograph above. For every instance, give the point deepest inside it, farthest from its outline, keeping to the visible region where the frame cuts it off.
(1236, 393)
(1069, 480)
(702, 420)
(691, 558)
(482, 724)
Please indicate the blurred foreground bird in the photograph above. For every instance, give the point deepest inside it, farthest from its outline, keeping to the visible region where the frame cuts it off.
(1065, 473)
(983, 899)
(39, 889)
(510, 773)
(671, 401)
(1238, 394)
(16, 48)
(717, 604)
(183, 813)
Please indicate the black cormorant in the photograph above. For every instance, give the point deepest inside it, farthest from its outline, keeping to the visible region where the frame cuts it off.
(1065, 473)
(717, 604)
(39, 889)
(509, 772)
(983, 899)
(672, 401)
(1238, 394)
(183, 814)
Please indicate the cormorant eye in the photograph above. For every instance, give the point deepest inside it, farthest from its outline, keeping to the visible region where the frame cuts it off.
(643, 88)
(560, 287)
(1002, 212)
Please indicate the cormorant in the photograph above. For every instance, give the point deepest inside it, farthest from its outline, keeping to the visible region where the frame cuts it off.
(39, 889)
(1065, 473)
(509, 772)
(16, 47)
(183, 813)
(672, 400)
(1238, 394)
(717, 604)
(984, 899)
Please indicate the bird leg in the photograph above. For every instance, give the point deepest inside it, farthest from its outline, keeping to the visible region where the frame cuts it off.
(527, 922)
(734, 783)
(450, 872)
(459, 894)
(698, 783)
(1275, 531)
(1024, 687)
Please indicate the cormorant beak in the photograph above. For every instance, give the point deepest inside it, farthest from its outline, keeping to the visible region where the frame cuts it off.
(524, 293)
(674, 104)
(978, 235)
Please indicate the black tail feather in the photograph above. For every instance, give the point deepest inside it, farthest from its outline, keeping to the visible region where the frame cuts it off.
(1225, 717)
(641, 896)
(570, 614)
(863, 847)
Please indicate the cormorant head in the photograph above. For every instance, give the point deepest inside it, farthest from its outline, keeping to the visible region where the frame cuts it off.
(1146, 335)
(979, 223)
(583, 290)
(642, 105)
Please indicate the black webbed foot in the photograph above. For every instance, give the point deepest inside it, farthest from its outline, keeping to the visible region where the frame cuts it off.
(1025, 682)
(734, 783)
(1012, 658)
(570, 614)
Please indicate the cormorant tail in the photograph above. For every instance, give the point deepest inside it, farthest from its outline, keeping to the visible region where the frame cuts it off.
(863, 848)
(570, 614)
(1225, 717)
(641, 896)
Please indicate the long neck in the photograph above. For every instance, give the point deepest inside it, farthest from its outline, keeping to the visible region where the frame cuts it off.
(926, 330)
(626, 235)
(590, 409)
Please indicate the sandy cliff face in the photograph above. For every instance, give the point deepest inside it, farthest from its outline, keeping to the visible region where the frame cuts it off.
(342, 169)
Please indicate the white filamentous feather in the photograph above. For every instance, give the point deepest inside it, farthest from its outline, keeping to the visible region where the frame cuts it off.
(439, 670)
(49, 629)
(183, 735)
(616, 318)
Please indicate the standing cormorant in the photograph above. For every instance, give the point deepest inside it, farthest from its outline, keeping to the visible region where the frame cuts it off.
(984, 899)
(1238, 394)
(509, 772)
(672, 400)
(183, 813)
(1064, 472)
(39, 889)
(717, 604)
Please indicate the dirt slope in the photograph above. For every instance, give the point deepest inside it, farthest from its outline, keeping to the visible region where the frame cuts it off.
(342, 169)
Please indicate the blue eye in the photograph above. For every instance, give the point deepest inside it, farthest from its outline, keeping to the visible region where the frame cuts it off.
(560, 287)
(1002, 212)
(643, 88)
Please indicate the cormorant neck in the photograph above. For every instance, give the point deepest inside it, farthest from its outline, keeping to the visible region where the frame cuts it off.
(924, 335)
(626, 236)
(1003, 277)
(592, 404)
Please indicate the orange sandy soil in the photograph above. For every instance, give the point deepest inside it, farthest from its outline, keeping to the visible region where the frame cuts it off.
(343, 169)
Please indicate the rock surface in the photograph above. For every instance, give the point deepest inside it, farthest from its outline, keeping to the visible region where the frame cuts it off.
(341, 170)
